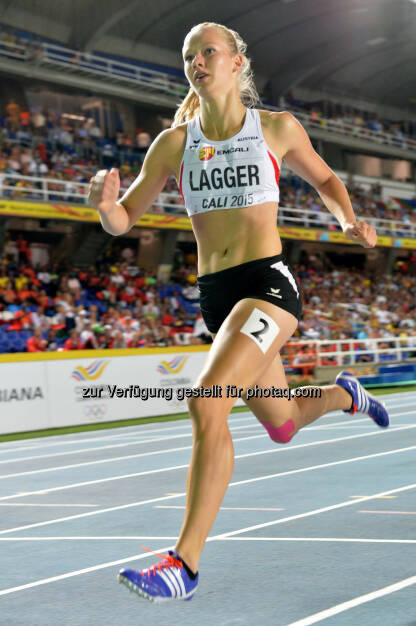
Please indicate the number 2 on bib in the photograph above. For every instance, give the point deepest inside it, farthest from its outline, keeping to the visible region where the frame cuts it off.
(261, 328)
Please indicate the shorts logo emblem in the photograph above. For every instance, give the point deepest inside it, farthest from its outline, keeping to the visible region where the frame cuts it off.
(274, 292)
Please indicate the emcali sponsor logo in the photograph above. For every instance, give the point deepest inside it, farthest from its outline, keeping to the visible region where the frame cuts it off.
(206, 153)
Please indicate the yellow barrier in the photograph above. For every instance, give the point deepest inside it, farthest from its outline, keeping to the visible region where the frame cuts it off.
(178, 222)
(20, 357)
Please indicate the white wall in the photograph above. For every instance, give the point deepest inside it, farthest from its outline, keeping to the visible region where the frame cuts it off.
(49, 393)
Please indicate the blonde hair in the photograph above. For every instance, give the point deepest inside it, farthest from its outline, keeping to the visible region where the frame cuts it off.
(189, 107)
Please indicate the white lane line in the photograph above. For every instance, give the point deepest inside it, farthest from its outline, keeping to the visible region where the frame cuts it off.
(106, 510)
(349, 426)
(87, 570)
(253, 424)
(134, 456)
(344, 606)
(137, 557)
(75, 538)
(142, 430)
(390, 512)
(146, 538)
(138, 432)
(238, 456)
(109, 447)
(169, 450)
(233, 484)
(324, 509)
(226, 508)
(320, 442)
(99, 462)
(323, 539)
(52, 505)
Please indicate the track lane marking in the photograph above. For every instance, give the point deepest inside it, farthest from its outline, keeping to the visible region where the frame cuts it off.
(108, 447)
(239, 456)
(320, 539)
(232, 484)
(144, 538)
(140, 556)
(182, 448)
(390, 512)
(139, 431)
(344, 606)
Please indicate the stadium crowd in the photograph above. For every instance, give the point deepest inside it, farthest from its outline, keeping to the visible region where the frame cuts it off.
(362, 122)
(119, 305)
(367, 204)
(42, 144)
(319, 112)
(46, 145)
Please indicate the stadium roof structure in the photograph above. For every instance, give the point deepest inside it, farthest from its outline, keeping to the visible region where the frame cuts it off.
(361, 48)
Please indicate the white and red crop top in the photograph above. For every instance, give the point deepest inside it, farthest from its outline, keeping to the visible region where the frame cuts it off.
(238, 172)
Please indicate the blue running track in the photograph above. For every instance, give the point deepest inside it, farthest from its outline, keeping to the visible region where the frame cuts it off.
(321, 529)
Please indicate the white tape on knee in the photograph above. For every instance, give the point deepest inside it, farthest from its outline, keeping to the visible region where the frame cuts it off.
(261, 328)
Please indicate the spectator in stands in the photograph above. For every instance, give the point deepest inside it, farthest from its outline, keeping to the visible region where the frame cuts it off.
(51, 340)
(73, 342)
(73, 283)
(143, 139)
(13, 116)
(39, 319)
(94, 130)
(119, 340)
(361, 317)
(38, 122)
(23, 249)
(36, 343)
(88, 338)
(25, 121)
(304, 359)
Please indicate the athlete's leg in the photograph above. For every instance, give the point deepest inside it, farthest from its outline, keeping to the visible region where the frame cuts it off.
(283, 417)
(239, 356)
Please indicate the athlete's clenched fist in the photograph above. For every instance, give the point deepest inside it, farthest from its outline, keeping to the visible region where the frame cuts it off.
(104, 190)
(362, 233)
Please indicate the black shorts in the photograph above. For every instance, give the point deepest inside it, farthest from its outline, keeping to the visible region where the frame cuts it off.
(270, 279)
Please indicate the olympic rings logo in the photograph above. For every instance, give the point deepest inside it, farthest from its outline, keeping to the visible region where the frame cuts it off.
(95, 410)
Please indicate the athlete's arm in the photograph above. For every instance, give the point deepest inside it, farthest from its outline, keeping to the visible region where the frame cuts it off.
(301, 157)
(119, 216)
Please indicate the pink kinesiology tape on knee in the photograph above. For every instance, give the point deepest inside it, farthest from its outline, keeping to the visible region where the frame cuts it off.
(283, 433)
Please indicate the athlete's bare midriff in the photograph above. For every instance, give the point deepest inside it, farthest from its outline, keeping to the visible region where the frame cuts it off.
(235, 236)
(226, 238)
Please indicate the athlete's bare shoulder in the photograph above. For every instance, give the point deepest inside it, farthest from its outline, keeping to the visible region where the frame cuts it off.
(277, 128)
(277, 121)
(175, 135)
(172, 139)
(282, 131)
(170, 144)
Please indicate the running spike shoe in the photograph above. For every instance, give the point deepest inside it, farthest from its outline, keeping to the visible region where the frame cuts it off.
(362, 401)
(167, 580)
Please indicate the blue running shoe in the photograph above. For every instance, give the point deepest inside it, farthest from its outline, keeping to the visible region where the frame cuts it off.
(362, 401)
(167, 580)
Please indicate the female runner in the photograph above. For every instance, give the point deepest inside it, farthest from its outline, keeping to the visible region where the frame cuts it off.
(226, 157)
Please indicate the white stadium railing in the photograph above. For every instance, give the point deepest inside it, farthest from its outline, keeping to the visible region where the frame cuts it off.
(399, 349)
(52, 55)
(13, 50)
(358, 132)
(51, 189)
